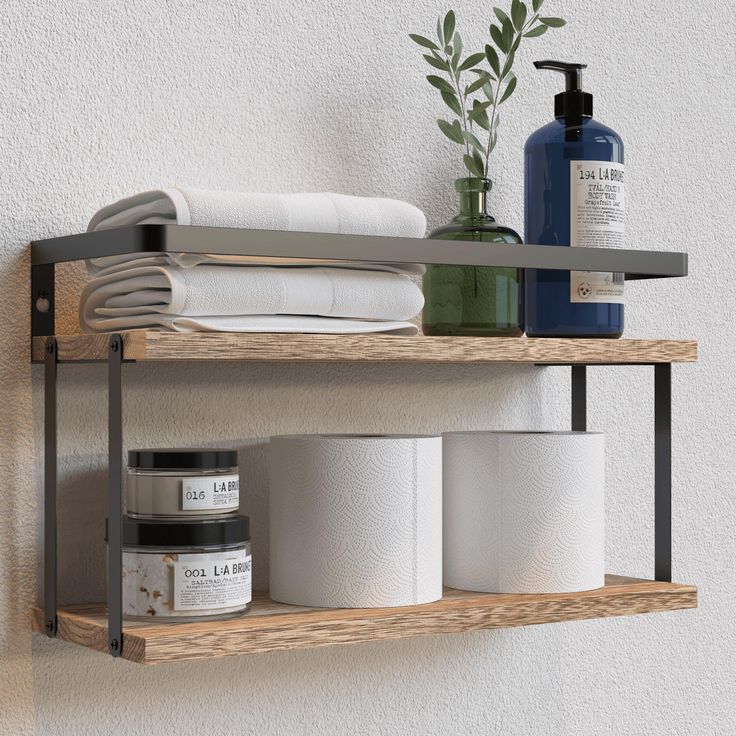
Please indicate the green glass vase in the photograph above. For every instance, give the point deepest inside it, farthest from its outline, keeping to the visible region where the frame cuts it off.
(470, 300)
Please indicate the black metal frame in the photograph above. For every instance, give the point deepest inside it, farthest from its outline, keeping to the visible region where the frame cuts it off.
(171, 238)
(662, 456)
(49, 485)
(142, 239)
(115, 496)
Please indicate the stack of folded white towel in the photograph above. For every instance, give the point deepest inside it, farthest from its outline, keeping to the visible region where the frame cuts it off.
(191, 292)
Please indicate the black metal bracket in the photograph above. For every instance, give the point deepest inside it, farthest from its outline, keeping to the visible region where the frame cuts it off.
(43, 300)
(51, 363)
(663, 472)
(662, 457)
(115, 497)
(579, 397)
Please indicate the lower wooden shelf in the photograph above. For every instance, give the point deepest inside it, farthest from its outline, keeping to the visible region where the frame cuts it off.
(273, 626)
(149, 345)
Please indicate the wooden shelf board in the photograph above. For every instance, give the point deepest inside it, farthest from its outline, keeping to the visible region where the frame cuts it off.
(145, 345)
(273, 626)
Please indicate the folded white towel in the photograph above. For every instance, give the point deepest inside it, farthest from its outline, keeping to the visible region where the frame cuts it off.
(160, 295)
(189, 292)
(326, 213)
(113, 264)
(257, 323)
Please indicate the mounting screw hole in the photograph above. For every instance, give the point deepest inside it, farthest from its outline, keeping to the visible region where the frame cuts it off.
(114, 645)
(43, 305)
(49, 626)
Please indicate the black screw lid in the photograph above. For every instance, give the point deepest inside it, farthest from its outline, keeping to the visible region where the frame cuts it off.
(191, 459)
(174, 534)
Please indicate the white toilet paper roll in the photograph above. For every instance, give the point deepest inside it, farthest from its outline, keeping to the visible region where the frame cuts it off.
(355, 522)
(524, 511)
(471, 531)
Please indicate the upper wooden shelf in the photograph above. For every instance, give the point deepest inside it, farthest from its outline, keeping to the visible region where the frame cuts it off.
(274, 626)
(144, 345)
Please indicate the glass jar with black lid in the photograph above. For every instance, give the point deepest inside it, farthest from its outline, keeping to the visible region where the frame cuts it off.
(186, 570)
(174, 484)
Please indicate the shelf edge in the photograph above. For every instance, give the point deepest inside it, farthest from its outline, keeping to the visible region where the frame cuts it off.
(141, 345)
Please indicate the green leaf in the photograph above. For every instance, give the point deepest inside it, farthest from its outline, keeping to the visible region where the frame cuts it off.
(553, 22)
(422, 41)
(508, 34)
(507, 66)
(479, 114)
(455, 134)
(488, 91)
(452, 102)
(493, 60)
(448, 26)
(494, 140)
(474, 142)
(471, 61)
(437, 63)
(479, 162)
(477, 84)
(458, 43)
(474, 164)
(441, 84)
(518, 14)
(498, 39)
(502, 17)
(510, 87)
(538, 31)
(515, 45)
(536, 4)
(440, 36)
(496, 120)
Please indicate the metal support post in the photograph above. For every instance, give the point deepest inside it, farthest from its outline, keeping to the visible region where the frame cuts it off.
(663, 472)
(115, 497)
(579, 399)
(49, 488)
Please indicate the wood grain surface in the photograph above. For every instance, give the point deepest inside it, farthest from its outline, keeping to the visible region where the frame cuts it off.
(144, 345)
(273, 626)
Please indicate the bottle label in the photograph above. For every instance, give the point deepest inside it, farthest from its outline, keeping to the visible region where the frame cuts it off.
(212, 581)
(597, 214)
(213, 493)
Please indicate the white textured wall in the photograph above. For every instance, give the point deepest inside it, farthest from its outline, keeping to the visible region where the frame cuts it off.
(101, 99)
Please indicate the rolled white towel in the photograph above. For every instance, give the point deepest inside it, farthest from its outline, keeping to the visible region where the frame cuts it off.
(163, 295)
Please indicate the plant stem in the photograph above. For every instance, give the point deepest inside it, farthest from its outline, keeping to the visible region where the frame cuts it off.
(519, 34)
(460, 96)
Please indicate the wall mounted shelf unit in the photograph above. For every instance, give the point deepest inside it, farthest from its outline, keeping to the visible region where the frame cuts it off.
(272, 626)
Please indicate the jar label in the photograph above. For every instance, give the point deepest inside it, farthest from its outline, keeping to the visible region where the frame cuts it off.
(212, 581)
(597, 211)
(213, 493)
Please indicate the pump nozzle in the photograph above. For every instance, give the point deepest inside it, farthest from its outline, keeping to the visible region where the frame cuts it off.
(573, 103)
(573, 73)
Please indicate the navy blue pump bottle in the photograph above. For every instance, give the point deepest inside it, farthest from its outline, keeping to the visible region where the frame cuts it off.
(573, 181)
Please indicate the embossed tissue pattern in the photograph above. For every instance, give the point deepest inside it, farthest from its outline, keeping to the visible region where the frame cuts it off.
(355, 521)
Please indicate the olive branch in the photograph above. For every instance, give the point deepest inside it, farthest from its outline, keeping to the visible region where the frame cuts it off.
(477, 117)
